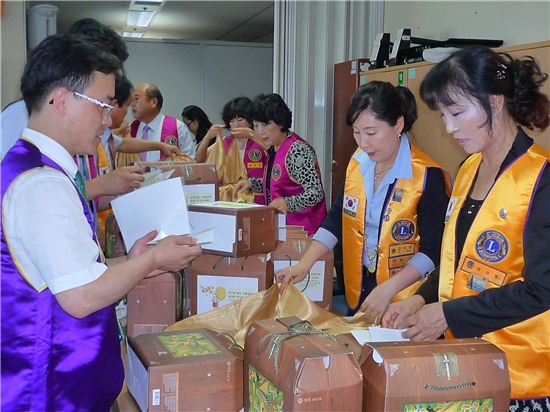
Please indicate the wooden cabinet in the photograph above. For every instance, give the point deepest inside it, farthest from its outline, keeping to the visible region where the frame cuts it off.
(429, 132)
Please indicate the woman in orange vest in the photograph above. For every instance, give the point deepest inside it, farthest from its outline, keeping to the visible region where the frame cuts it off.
(389, 216)
(494, 278)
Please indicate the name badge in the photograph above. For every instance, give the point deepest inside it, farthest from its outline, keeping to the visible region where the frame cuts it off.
(450, 207)
(254, 165)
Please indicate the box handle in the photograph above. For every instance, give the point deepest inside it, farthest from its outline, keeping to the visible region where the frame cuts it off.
(449, 387)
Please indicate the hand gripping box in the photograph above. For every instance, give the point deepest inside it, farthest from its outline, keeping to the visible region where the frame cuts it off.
(443, 375)
(242, 229)
(200, 180)
(291, 366)
(154, 303)
(219, 280)
(192, 370)
(318, 284)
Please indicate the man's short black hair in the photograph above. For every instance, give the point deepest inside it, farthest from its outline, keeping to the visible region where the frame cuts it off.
(63, 60)
(102, 36)
(123, 89)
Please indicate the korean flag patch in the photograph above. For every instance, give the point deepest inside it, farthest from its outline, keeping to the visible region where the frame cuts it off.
(350, 205)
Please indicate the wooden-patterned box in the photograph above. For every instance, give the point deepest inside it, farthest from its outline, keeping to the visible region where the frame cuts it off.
(192, 370)
(443, 375)
(287, 369)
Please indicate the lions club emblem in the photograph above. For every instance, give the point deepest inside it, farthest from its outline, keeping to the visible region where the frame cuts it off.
(492, 246)
(403, 230)
(173, 140)
(276, 174)
(254, 155)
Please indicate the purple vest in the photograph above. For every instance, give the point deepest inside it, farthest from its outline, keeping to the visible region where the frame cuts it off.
(282, 185)
(168, 134)
(255, 159)
(52, 361)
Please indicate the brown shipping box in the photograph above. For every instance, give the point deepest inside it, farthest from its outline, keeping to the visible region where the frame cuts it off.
(192, 370)
(315, 372)
(154, 303)
(219, 280)
(450, 375)
(319, 282)
(200, 180)
(114, 245)
(242, 229)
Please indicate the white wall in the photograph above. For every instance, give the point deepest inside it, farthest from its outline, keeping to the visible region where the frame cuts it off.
(13, 49)
(206, 74)
(515, 22)
(309, 38)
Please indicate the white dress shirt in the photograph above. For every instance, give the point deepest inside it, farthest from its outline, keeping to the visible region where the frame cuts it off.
(45, 226)
(186, 141)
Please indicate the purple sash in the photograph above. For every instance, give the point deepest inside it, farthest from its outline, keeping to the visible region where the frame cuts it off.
(52, 361)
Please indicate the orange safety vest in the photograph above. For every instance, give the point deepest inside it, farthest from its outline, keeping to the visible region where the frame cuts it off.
(399, 238)
(493, 257)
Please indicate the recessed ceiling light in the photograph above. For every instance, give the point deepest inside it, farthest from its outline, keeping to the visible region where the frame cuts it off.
(138, 34)
(139, 18)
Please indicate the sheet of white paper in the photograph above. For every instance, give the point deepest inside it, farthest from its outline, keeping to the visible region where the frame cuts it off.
(157, 207)
(378, 334)
(224, 225)
(362, 336)
(204, 237)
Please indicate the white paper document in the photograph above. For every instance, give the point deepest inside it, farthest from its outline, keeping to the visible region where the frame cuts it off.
(160, 206)
(377, 334)
(202, 238)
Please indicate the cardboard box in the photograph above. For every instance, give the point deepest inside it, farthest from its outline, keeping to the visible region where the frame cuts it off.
(200, 180)
(114, 244)
(154, 303)
(442, 375)
(319, 282)
(192, 370)
(315, 372)
(218, 280)
(242, 229)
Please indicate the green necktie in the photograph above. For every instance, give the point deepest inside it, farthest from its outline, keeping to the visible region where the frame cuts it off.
(79, 181)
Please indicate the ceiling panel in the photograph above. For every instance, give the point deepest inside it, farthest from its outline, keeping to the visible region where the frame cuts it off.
(243, 21)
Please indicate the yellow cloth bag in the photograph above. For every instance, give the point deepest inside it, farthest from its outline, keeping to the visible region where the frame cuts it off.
(230, 169)
(235, 318)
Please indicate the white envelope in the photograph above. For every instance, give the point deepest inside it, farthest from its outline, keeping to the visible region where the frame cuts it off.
(160, 206)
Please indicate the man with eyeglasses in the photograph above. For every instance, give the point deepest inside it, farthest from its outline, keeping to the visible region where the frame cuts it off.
(153, 125)
(59, 337)
(14, 119)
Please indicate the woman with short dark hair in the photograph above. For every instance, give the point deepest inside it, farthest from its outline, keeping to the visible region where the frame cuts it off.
(292, 180)
(494, 277)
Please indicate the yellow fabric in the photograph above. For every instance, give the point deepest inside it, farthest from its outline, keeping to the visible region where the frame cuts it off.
(102, 215)
(230, 169)
(127, 159)
(504, 211)
(182, 157)
(393, 253)
(236, 317)
(216, 155)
